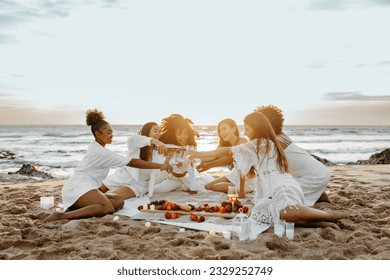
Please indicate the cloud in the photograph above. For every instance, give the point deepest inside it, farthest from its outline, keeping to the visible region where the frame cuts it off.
(14, 112)
(375, 64)
(353, 113)
(382, 63)
(354, 96)
(22, 12)
(337, 5)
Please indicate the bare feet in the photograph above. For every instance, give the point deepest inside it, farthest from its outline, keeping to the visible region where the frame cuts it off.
(53, 217)
(324, 198)
(316, 224)
(337, 215)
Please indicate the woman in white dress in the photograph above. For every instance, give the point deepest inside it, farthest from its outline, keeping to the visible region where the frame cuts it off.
(131, 182)
(177, 130)
(264, 155)
(80, 194)
(311, 174)
(229, 136)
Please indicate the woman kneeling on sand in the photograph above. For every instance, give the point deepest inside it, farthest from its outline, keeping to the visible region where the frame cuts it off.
(80, 194)
(310, 174)
(264, 155)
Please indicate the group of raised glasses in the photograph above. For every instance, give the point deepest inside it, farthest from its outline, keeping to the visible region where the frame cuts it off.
(291, 180)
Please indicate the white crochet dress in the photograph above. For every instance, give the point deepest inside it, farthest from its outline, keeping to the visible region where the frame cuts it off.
(279, 190)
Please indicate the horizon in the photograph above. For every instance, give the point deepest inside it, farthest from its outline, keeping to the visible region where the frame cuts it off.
(214, 125)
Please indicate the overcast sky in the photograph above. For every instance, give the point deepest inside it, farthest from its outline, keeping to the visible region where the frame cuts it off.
(322, 62)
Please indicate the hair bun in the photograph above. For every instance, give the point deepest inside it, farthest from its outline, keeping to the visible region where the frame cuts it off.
(93, 116)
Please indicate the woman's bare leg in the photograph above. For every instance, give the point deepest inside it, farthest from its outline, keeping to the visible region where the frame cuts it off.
(116, 200)
(324, 198)
(103, 188)
(307, 214)
(316, 224)
(91, 204)
(124, 192)
(220, 185)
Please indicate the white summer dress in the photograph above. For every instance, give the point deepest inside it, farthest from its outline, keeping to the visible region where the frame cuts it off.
(135, 179)
(311, 174)
(92, 169)
(281, 187)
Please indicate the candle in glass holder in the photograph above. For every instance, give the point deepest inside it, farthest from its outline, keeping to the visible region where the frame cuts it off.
(47, 202)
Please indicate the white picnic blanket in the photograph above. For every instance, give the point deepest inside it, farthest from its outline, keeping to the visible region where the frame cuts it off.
(216, 224)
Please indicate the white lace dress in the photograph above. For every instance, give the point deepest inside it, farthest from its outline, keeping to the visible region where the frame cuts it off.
(279, 190)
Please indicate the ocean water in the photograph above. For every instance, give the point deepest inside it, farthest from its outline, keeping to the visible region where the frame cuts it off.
(58, 149)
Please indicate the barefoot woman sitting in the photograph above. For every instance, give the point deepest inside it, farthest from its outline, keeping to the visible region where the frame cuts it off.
(80, 194)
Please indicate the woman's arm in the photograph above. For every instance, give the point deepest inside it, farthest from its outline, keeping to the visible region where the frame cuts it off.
(215, 163)
(218, 153)
(142, 164)
(161, 148)
(140, 141)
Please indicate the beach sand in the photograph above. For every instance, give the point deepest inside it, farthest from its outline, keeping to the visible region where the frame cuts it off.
(361, 190)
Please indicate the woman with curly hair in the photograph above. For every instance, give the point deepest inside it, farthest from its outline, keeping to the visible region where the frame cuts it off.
(177, 130)
(131, 182)
(264, 156)
(80, 194)
(310, 174)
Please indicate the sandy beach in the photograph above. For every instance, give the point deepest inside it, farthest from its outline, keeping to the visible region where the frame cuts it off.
(361, 190)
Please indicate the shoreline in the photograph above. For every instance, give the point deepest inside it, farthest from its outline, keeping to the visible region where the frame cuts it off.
(363, 190)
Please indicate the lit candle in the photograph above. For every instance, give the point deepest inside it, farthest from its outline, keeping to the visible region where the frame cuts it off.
(182, 230)
(226, 235)
(47, 202)
(148, 224)
(212, 233)
(116, 218)
(145, 207)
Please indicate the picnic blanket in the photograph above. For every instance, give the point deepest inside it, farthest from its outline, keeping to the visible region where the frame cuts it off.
(216, 224)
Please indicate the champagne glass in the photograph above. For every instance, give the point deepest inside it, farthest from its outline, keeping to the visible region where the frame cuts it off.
(232, 194)
(196, 162)
(173, 159)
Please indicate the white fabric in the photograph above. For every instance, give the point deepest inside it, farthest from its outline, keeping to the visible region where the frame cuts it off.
(234, 177)
(215, 224)
(92, 169)
(130, 176)
(165, 182)
(311, 175)
(282, 187)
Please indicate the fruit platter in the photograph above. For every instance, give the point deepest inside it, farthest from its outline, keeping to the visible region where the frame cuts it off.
(172, 210)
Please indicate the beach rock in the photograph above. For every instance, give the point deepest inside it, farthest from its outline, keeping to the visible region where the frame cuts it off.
(32, 171)
(378, 158)
(7, 154)
(324, 161)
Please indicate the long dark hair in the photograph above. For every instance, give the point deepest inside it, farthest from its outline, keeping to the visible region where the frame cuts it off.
(232, 124)
(173, 122)
(145, 131)
(264, 133)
